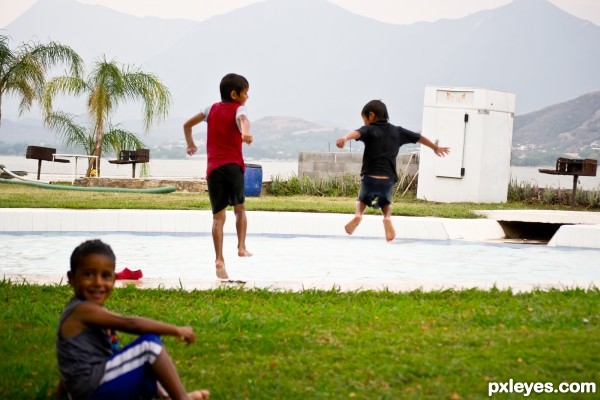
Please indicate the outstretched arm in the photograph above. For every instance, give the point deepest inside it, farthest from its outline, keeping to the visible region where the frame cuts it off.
(341, 142)
(89, 313)
(187, 131)
(438, 150)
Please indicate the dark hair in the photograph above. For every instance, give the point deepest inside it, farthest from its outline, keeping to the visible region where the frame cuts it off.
(376, 107)
(86, 248)
(232, 82)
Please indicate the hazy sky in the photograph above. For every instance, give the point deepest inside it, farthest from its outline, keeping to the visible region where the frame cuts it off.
(394, 11)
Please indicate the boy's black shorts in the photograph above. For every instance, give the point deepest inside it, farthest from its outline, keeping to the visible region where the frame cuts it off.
(226, 187)
(375, 192)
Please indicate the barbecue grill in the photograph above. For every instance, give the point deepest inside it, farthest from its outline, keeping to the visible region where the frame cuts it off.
(574, 167)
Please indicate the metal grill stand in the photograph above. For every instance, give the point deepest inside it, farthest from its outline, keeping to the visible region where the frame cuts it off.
(574, 167)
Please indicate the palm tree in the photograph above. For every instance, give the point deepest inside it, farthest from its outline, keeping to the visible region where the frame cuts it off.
(23, 71)
(105, 88)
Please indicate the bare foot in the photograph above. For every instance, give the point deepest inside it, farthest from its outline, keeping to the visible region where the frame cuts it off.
(390, 233)
(351, 226)
(244, 253)
(221, 271)
(199, 395)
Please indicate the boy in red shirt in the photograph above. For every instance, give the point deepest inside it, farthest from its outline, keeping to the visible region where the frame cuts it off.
(228, 127)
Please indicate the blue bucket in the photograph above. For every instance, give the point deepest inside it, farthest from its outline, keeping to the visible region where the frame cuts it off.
(253, 180)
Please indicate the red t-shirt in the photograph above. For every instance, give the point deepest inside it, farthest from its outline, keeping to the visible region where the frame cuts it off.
(224, 139)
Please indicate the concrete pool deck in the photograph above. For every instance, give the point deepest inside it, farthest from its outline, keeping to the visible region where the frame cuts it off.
(313, 257)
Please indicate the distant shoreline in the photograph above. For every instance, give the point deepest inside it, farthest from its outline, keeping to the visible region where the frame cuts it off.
(195, 168)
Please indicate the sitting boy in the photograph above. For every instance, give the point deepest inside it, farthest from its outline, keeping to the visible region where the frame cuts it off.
(90, 364)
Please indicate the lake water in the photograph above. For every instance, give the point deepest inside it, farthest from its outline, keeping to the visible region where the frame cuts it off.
(190, 168)
(195, 168)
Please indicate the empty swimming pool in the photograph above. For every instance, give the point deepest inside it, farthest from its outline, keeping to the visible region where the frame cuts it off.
(296, 262)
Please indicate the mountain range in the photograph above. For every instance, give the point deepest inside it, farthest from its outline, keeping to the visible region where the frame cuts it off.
(570, 125)
(569, 128)
(313, 60)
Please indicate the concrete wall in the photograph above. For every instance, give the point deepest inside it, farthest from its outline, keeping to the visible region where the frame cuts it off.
(326, 165)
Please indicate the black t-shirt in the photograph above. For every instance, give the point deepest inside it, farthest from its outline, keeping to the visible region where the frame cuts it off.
(382, 142)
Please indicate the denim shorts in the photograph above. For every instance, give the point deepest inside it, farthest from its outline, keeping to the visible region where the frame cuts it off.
(376, 192)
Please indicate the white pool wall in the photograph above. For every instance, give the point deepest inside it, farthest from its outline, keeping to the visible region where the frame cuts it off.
(586, 236)
(580, 229)
(259, 222)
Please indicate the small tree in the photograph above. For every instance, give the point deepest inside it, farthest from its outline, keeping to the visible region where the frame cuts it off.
(105, 88)
(23, 71)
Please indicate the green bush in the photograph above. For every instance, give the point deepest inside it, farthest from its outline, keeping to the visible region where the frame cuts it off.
(346, 185)
(531, 194)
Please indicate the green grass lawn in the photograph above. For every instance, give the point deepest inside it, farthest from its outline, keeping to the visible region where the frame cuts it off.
(20, 196)
(257, 344)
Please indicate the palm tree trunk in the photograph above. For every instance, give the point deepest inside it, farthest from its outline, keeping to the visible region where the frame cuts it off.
(97, 153)
(93, 165)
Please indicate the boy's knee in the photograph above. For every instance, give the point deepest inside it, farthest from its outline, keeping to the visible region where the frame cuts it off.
(152, 346)
(151, 337)
(220, 216)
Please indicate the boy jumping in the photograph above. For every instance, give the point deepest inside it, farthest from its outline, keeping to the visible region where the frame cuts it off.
(228, 127)
(382, 142)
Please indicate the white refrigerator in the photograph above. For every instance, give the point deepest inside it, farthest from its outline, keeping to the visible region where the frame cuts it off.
(477, 125)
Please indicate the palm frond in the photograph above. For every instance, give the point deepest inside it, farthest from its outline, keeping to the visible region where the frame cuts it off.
(117, 139)
(155, 96)
(23, 70)
(55, 53)
(63, 84)
(25, 91)
(70, 133)
(109, 76)
(6, 59)
(23, 78)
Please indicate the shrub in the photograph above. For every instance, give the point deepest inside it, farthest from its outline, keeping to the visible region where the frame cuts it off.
(348, 186)
(532, 194)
